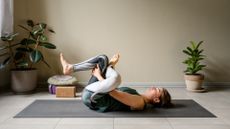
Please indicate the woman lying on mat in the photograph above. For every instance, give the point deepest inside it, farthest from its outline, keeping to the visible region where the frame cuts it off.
(102, 93)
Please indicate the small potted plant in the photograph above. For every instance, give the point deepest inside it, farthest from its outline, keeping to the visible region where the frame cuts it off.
(193, 78)
(26, 54)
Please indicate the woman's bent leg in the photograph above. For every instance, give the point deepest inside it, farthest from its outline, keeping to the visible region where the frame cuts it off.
(91, 63)
(101, 60)
(111, 82)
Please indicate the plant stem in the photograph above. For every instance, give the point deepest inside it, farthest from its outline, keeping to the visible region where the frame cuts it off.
(37, 43)
(27, 46)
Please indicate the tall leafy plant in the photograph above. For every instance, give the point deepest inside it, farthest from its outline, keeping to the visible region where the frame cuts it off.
(193, 61)
(29, 51)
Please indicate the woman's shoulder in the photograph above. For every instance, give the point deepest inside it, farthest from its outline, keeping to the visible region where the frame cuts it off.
(128, 90)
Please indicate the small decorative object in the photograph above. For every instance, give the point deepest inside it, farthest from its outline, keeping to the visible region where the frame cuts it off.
(62, 80)
(52, 89)
(57, 81)
(193, 79)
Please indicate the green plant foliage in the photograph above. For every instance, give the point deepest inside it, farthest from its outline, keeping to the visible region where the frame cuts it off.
(27, 51)
(26, 41)
(6, 49)
(35, 56)
(9, 37)
(48, 45)
(194, 58)
(36, 38)
(23, 64)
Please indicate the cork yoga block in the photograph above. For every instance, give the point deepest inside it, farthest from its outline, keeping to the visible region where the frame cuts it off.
(65, 91)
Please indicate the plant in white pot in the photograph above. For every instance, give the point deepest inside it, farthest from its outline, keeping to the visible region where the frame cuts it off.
(193, 78)
(27, 53)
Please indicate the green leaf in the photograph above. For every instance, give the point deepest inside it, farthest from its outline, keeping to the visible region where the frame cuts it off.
(37, 30)
(6, 61)
(43, 38)
(22, 64)
(190, 50)
(33, 36)
(3, 38)
(26, 41)
(30, 49)
(22, 49)
(199, 44)
(9, 37)
(51, 30)
(14, 35)
(200, 51)
(30, 23)
(35, 56)
(193, 45)
(202, 66)
(200, 58)
(48, 45)
(186, 52)
(18, 55)
(42, 25)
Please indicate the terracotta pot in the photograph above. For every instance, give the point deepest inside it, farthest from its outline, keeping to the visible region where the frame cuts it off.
(194, 82)
(23, 81)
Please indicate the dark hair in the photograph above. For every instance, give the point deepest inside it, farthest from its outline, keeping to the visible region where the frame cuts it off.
(165, 99)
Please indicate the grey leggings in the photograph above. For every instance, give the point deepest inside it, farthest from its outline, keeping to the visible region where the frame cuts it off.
(112, 78)
(101, 60)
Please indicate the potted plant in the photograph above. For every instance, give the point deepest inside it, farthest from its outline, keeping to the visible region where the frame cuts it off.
(193, 78)
(27, 53)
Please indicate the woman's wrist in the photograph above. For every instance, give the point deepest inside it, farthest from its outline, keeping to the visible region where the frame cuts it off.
(100, 78)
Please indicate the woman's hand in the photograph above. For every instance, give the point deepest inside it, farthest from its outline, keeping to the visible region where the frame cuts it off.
(97, 73)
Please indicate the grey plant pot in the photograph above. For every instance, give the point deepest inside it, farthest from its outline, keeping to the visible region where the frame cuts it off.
(23, 81)
(194, 82)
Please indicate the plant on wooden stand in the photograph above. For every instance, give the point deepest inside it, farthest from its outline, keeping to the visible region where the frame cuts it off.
(193, 78)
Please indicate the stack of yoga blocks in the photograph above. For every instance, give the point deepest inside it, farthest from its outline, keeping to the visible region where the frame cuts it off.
(62, 85)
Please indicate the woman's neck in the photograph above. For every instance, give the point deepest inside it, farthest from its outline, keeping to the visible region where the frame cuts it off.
(146, 99)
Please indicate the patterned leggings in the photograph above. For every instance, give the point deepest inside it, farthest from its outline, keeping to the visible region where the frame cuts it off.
(112, 78)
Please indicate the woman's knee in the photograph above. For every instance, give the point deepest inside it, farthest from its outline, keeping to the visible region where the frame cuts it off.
(104, 57)
(103, 62)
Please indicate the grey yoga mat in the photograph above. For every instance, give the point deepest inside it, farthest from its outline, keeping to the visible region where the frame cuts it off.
(76, 109)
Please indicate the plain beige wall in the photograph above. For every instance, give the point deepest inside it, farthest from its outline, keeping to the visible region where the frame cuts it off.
(149, 35)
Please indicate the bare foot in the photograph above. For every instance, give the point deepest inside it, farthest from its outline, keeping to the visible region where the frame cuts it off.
(67, 67)
(113, 61)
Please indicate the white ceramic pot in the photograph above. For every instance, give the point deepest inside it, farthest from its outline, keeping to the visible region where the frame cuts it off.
(23, 81)
(194, 82)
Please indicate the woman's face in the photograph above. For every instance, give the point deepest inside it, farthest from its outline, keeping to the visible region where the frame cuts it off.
(154, 94)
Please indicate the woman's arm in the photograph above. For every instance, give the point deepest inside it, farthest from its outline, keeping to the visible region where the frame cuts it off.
(97, 73)
(136, 102)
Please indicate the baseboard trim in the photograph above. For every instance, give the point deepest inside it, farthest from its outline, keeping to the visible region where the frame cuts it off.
(168, 84)
(149, 84)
